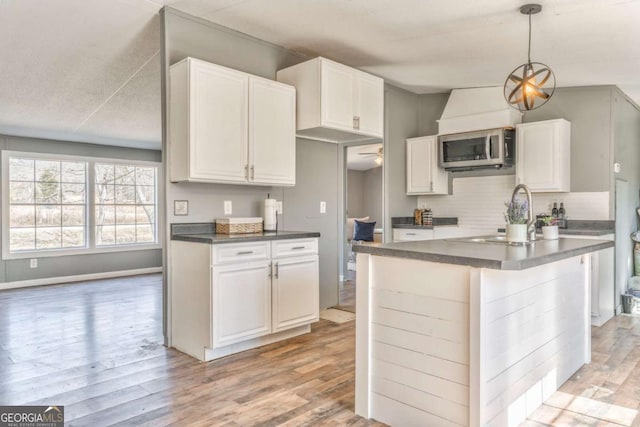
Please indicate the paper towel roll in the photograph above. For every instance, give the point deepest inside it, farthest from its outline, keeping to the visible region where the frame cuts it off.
(270, 218)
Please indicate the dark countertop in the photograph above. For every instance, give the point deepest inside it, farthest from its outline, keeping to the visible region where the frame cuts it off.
(215, 239)
(407, 222)
(498, 256)
(205, 233)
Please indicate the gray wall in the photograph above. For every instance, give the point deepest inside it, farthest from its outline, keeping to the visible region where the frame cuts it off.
(430, 108)
(589, 111)
(355, 194)
(317, 162)
(372, 195)
(18, 269)
(400, 123)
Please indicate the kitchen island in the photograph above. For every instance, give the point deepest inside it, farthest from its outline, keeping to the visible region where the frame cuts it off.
(469, 331)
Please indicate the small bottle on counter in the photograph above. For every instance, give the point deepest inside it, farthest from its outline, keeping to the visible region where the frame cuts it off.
(554, 211)
(562, 216)
(561, 211)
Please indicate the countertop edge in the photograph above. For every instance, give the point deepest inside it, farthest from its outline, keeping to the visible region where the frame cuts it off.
(221, 240)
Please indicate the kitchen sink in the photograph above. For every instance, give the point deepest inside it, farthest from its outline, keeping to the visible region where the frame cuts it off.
(501, 240)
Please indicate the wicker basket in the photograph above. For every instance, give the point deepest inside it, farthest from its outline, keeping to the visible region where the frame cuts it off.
(238, 225)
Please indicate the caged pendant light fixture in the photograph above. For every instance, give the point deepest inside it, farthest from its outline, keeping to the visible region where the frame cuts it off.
(530, 85)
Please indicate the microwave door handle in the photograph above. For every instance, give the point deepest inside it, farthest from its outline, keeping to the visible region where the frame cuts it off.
(487, 147)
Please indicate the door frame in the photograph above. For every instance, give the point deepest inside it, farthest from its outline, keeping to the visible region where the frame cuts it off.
(342, 199)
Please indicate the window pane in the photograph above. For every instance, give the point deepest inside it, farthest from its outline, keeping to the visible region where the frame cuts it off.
(48, 216)
(21, 169)
(105, 235)
(22, 216)
(145, 194)
(47, 171)
(145, 214)
(126, 215)
(47, 192)
(21, 192)
(145, 176)
(125, 234)
(105, 194)
(73, 215)
(73, 193)
(22, 239)
(104, 173)
(74, 172)
(72, 237)
(125, 175)
(125, 194)
(48, 238)
(145, 233)
(105, 215)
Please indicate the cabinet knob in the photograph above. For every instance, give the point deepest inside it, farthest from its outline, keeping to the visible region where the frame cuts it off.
(246, 172)
(252, 172)
(276, 273)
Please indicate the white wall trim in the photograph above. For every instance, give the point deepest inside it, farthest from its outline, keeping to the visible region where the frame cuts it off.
(77, 278)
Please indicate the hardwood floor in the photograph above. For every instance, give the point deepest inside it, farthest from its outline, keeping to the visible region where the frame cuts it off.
(96, 348)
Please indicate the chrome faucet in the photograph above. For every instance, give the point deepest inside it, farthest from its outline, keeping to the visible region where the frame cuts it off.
(531, 229)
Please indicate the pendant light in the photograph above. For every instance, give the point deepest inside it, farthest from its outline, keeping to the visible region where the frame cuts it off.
(530, 85)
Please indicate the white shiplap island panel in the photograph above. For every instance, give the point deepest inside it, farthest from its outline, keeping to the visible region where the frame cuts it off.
(452, 345)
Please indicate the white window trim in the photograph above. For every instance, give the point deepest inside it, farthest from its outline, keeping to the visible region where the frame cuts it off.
(90, 207)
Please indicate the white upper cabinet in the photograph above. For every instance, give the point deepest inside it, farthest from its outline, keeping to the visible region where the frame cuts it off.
(336, 103)
(543, 155)
(227, 126)
(272, 133)
(424, 175)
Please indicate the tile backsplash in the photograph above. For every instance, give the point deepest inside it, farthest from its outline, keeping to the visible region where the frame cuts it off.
(478, 202)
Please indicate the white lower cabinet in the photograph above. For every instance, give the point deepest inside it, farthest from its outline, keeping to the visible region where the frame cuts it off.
(294, 292)
(241, 302)
(231, 297)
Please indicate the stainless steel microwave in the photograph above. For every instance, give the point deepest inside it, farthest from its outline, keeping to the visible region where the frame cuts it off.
(492, 148)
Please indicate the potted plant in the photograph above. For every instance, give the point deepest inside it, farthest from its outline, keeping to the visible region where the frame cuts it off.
(550, 228)
(516, 218)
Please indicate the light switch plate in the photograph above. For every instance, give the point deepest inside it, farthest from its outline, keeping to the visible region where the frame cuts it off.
(616, 167)
(323, 207)
(33, 263)
(228, 207)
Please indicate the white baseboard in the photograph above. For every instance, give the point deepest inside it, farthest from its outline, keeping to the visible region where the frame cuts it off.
(77, 278)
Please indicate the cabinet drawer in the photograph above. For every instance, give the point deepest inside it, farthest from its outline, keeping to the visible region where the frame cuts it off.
(409, 234)
(285, 248)
(240, 252)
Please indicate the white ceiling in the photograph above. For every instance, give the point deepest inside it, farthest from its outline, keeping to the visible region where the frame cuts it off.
(89, 70)
(359, 158)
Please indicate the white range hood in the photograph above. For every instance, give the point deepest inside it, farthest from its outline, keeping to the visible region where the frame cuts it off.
(474, 109)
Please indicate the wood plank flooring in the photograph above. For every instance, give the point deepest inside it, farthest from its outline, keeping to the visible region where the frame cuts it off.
(95, 347)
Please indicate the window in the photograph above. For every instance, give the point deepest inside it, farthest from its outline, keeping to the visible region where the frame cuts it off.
(56, 205)
(125, 200)
(47, 204)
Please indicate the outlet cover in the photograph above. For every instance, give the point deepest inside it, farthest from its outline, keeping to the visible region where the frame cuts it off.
(279, 207)
(33, 263)
(228, 207)
(323, 207)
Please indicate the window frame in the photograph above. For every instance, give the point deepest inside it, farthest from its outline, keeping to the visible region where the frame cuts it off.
(90, 207)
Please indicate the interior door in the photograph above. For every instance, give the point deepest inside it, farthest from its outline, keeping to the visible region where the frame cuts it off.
(272, 137)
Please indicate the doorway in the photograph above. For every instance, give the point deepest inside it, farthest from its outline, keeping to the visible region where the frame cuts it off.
(363, 211)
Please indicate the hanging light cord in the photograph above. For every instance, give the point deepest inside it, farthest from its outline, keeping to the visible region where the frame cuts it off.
(529, 53)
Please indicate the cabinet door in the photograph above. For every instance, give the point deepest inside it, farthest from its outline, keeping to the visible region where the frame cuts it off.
(241, 302)
(272, 132)
(218, 123)
(295, 292)
(369, 106)
(411, 234)
(543, 156)
(424, 176)
(337, 96)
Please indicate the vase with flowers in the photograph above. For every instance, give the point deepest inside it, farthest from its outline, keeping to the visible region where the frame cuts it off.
(550, 228)
(516, 218)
